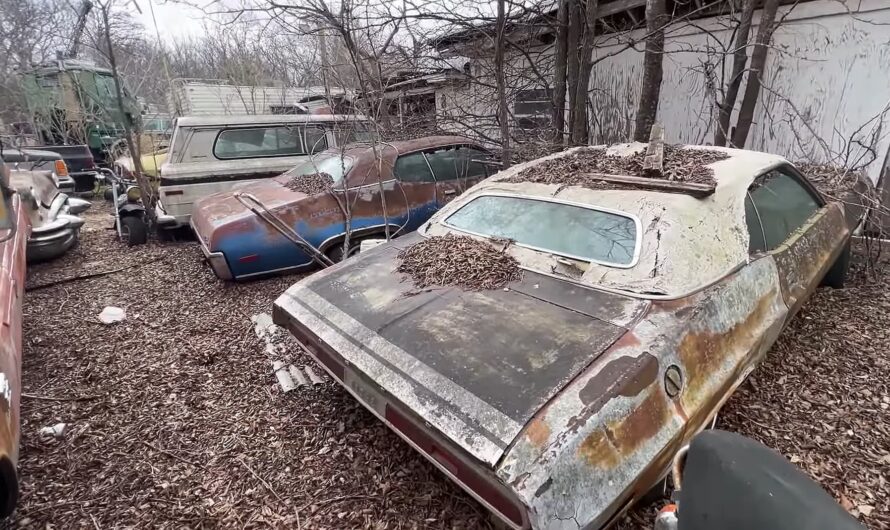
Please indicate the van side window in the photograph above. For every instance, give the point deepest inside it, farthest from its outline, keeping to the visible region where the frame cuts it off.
(257, 142)
(413, 168)
(315, 139)
(779, 204)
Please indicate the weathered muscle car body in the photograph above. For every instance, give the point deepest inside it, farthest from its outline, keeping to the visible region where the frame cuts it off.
(399, 184)
(560, 400)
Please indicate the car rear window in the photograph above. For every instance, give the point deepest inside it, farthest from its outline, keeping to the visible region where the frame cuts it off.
(335, 165)
(578, 232)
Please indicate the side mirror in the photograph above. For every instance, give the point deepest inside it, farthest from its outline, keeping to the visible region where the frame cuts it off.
(6, 219)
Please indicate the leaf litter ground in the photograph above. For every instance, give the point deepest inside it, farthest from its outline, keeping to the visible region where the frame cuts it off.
(182, 425)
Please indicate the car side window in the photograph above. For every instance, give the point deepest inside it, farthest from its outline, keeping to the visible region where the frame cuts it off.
(470, 162)
(780, 204)
(257, 142)
(315, 139)
(445, 164)
(413, 168)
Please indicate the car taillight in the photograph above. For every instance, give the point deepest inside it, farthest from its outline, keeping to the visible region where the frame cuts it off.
(61, 168)
(473, 481)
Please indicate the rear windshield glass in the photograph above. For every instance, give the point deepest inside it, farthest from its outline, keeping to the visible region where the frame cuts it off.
(333, 164)
(573, 231)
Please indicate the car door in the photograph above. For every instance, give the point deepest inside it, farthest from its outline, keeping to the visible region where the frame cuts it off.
(790, 221)
(416, 180)
(455, 169)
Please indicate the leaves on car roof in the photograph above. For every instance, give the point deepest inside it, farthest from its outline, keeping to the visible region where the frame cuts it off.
(581, 167)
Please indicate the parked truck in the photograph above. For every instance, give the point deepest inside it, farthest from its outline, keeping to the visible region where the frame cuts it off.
(73, 102)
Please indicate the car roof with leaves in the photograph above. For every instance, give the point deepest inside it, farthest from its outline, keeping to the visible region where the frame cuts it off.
(685, 242)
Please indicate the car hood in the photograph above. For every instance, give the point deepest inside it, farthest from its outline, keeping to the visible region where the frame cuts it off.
(475, 365)
(223, 209)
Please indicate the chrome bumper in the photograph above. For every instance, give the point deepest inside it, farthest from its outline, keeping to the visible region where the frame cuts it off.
(217, 260)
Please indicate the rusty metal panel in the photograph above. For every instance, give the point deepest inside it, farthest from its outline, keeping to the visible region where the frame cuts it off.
(463, 353)
(611, 433)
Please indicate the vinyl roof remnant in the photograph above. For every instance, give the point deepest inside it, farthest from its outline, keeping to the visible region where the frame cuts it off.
(457, 260)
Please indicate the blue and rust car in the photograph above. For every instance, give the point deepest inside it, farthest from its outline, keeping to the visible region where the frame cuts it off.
(396, 186)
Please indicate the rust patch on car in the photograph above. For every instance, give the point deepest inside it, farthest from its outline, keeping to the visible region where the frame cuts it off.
(597, 450)
(538, 432)
(701, 351)
(623, 377)
(640, 425)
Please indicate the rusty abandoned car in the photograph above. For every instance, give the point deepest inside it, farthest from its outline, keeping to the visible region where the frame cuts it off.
(642, 303)
(15, 228)
(381, 191)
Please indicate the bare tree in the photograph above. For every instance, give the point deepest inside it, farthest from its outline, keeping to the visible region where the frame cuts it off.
(758, 62)
(653, 69)
(499, 74)
(739, 61)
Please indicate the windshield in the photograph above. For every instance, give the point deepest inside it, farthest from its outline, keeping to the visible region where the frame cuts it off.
(333, 164)
(577, 232)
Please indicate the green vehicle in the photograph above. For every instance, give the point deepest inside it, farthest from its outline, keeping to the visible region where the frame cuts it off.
(74, 102)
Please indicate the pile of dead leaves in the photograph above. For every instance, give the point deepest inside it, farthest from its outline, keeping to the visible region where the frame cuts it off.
(461, 261)
(581, 167)
(311, 184)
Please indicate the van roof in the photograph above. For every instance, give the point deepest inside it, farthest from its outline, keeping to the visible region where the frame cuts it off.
(264, 119)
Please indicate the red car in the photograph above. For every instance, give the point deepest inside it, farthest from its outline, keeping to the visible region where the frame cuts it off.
(14, 231)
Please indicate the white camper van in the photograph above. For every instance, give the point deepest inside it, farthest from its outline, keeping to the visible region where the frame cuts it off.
(212, 154)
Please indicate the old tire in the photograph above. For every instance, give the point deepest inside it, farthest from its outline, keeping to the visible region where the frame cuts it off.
(134, 231)
(335, 253)
(108, 194)
(837, 274)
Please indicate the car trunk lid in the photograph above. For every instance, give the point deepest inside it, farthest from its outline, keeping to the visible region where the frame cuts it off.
(475, 365)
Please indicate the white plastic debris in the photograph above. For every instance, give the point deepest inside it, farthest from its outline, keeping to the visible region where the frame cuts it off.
(284, 379)
(297, 375)
(263, 326)
(56, 431)
(312, 377)
(112, 314)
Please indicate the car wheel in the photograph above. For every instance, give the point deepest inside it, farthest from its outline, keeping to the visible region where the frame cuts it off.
(134, 231)
(837, 274)
(336, 254)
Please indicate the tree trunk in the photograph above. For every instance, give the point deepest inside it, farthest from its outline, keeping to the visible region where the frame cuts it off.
(739, 60)
(653, 69)
(501, 82)
(572, 64)
(148, 198)
(758, 62)
(579, 104)
(559, 72)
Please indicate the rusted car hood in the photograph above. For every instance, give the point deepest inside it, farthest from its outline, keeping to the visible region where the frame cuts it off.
(214, 211)
(476, 365)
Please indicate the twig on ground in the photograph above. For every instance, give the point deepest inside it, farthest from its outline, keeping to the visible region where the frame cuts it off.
(91, 275)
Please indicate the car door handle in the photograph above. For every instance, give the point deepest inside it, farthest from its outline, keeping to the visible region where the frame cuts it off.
(450, 192)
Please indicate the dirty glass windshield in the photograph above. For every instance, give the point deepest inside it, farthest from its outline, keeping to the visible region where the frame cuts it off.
(573, 231)
(333, 164)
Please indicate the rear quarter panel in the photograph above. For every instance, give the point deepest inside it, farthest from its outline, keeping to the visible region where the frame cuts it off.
(609, 436)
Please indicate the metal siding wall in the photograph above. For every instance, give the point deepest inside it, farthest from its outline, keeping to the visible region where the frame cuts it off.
(828, 79)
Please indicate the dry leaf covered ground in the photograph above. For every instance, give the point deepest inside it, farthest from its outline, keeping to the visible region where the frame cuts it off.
(179, 422)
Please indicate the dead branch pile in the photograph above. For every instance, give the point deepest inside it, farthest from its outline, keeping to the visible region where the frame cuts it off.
(579, 169)
(311, 184)
(461, 261)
